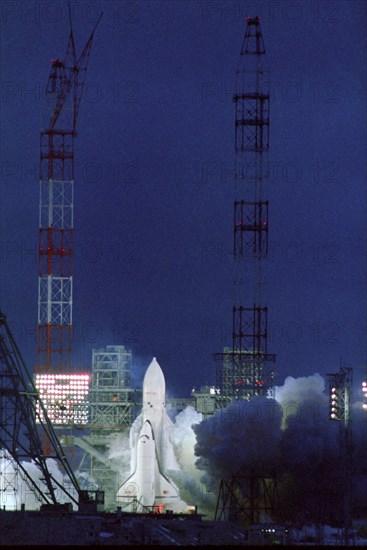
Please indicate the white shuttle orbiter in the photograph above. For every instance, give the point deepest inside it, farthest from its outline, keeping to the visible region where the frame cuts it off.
(152, 452)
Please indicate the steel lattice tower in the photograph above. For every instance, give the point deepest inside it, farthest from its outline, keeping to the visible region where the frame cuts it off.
(20, 410)
(241, 369)
(56, 208)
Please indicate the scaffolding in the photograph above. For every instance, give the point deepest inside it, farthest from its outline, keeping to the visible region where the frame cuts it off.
(111, 412)
(111, 403)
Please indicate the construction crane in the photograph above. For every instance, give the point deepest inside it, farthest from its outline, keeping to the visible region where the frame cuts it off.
(20, 440)
(63, 93)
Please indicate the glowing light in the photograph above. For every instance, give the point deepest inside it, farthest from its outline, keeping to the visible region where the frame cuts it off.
(65, 397)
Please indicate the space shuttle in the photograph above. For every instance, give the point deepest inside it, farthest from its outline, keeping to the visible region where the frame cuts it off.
(151, 449)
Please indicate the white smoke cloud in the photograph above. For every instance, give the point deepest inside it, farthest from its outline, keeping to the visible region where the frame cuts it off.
(300, 389)
(188, 477)
(119, 455)
(303, 396)
(193, 483)
(16, 490)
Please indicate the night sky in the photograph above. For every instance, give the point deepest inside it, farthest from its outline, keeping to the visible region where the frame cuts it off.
(154, 191)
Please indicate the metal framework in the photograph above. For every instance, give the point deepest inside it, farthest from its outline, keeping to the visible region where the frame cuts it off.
(340, 410)
(241, 371)
(111, 403)
(20, 409)
(340, 393)
(251, 229)
(251, 99)
(111, 411)
(56, 208)
(247, 499)
(241, 376)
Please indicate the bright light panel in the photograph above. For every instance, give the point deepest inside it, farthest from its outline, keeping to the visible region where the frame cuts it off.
(65, 397)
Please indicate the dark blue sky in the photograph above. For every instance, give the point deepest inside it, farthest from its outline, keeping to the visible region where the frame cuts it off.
(153, 196)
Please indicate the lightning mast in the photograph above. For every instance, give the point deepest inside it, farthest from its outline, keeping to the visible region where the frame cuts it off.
(63, 95)
(242, 369)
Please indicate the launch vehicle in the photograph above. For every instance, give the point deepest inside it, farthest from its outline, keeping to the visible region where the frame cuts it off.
(151, 449)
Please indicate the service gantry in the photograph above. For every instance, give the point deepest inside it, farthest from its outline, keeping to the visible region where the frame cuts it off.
(111, 412)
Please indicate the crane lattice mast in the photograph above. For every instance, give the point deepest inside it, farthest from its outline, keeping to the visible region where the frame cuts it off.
(63, 94)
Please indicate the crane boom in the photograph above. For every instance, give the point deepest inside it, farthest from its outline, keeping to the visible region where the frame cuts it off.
(65, 75)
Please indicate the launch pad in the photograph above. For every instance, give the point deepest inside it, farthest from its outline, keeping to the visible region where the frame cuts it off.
(115, 529)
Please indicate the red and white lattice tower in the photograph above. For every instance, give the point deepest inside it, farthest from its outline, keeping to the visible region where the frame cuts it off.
(56, 208)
